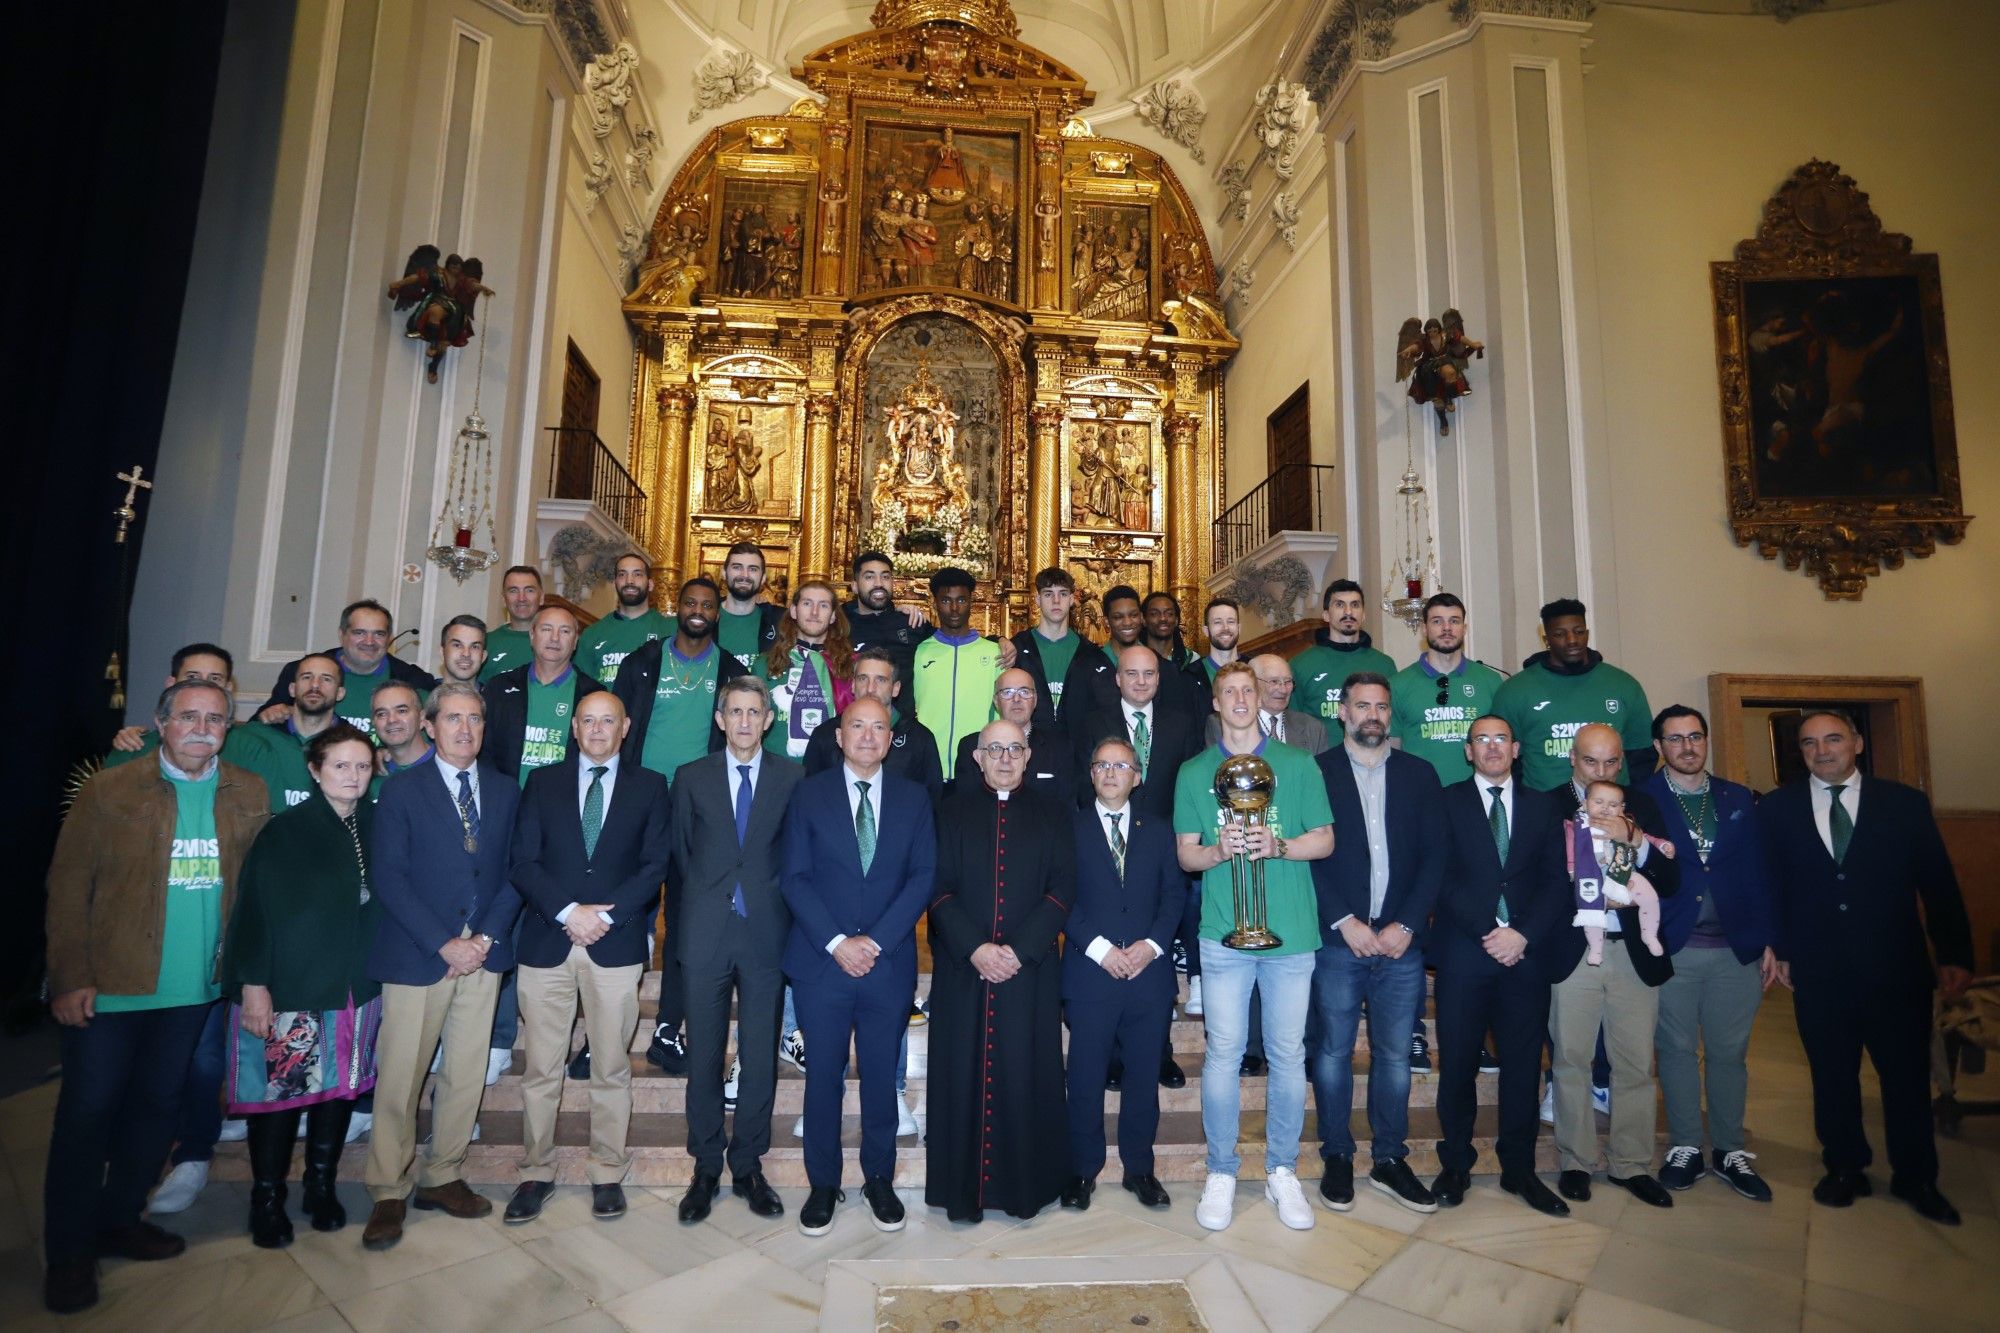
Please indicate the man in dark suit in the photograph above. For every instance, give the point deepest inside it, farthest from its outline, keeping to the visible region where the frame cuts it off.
(437, 859)
(590, 849)
(1851, 857)
(728, 829)
(1163, 739)
(860, 860)
(1375, 897)
(913, 751)
(1503, 899)
(1117, 980)
(1048, 767)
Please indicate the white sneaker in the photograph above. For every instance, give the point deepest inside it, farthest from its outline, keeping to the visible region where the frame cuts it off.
(1600, 1100)
(234, 1130)
(1193, 1006)
(177, 1193)
(799, 1128)
(793, 1050)
(1284, 1191)
(498, 1062)
(906, 1123)
(1218, 1202)
(360, 1123)
(1549, 1105)
(731, 1084)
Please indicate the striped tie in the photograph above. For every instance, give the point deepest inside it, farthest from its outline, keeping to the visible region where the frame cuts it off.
(1117, 842)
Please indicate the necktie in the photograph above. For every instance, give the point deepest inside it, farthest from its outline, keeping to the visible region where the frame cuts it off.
(1496, 819)
(864, 828)
(468, 812)
(743, 795)
(593, 809)
(1839, 824)
(1117, 843)
(1142, 742)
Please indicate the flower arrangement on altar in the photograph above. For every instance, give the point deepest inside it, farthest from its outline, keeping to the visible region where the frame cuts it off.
(920, 548)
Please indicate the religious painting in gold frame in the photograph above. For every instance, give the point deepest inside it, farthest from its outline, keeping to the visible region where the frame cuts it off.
(1112, 463)
(938, 204)
(746, 446)
(763, 237)
(1112, 260)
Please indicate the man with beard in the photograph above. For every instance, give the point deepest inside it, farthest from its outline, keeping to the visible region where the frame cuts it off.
(463, 645)
(633, 624)
(874, 621)
(364, 661)
(1337, 652)
(1070, 680)
(809, 667)
(530, 710)
(1047, 767)
(1566, 688)
(1222, 621)
(1183, 683)
(1437, 696)
(317, 695)
(507, 647)
(1005, 884)
(747, 626)
(913, 752)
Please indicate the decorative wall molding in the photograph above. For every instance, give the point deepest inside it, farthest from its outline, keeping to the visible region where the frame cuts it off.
(1574, 11)
(596, 180)
(608, 86)
(1285, 218)
(1236, 290)
(1284, 116)
(1355, 30)
(1176, 111)
(723, 77)
(645, 143)
(1235, 181)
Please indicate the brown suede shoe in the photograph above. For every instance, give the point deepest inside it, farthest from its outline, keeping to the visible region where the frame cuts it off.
(455, 1198)
(385, 1225)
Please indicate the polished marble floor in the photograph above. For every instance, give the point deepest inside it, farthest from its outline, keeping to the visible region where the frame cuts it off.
(1711, 1260)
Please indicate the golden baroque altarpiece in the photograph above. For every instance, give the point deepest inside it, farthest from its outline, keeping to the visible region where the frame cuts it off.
(927, 310)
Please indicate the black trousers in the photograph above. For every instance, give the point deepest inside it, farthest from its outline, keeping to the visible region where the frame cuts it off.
(1098, 1026)
(673, 988)
(1837, 1021)
(727, 968)
(1474, 996)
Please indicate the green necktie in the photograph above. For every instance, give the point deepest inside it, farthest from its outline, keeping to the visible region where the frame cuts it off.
(1142, 742)
(1839, 824)
(1496, 819)
(1117, 842)
(593, 810)
(864, 827)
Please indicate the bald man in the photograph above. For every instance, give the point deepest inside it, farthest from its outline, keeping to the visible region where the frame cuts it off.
(1275, 715)
(1048, 765)
(591, 845)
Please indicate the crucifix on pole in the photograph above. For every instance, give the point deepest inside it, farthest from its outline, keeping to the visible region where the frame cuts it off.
(114, 670)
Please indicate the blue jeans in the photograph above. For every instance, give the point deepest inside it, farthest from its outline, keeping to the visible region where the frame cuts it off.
(1285, 983)
(1392, 988)
(201, 1095)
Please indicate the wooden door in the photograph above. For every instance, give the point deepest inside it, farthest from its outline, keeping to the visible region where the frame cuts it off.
(576, 443)
(1288, 445)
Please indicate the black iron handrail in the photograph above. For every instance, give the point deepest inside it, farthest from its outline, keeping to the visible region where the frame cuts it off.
(1294, 497)
(582, 467)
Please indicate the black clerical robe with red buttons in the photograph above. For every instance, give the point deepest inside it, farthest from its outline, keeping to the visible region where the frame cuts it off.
(1005, 875)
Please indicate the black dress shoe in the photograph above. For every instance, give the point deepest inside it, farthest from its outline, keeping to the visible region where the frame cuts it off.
(668, 1050)
(1254, 1066)
(757, 1191)
(1114, 1078)
(607, 1201)
(1449, 1188)
(1148, 1190)
(1336, 1184)
(1076, 1194)
(142, 1241)
(526, 1205)
(579, 1065)
(1530, 1190)
(1839, 1189)
(701, 1192)
(1928, 1203)
(1171, 1075)
(70, 1287)
(1574, 1185)
(816, 1218)
(1645, 1189)
(883, 1205)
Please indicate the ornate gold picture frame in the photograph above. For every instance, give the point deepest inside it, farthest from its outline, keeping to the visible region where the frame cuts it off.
(1839, 444)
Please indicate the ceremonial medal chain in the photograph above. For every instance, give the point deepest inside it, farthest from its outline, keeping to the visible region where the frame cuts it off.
(1697, 818)
(354, 831)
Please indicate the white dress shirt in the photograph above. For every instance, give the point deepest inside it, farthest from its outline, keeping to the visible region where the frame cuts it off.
(854, 800)
(1101, 946)
(1134, 711)
(1271, 724)
(1822, 805)
(755, 763)
(1483, 785)
(584, 763)
(449, 772)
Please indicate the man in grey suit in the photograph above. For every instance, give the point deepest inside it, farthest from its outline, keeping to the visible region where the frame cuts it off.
(728, 820)
(1275, 715)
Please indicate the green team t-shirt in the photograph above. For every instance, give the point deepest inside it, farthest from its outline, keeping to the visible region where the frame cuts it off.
(1317, 674)
(1298, 805)
(738, 635)
(546, 739)
(1057, 654)
(357, 705)
(248, 745)
(193, 930)
(283, 767)
(801, 700)
(683, 710)
(1546, 709)
(953, 687)
(1436, 731)
(608, 642)
(506, 648)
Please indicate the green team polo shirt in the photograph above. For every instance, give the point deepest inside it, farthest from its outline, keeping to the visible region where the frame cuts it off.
(506, 648)
(953, 688)
(1546, 709)
(546, 739)
(608, 642)
(193, 930)
(1317, 674)
(1057, 654)
(683, 710)
(1435, 731)
(248, 745)
(1298, 806)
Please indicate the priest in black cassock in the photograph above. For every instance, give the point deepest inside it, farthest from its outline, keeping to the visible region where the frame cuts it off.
(1005, 884)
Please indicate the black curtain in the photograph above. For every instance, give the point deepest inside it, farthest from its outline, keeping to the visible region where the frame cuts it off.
(111, 106)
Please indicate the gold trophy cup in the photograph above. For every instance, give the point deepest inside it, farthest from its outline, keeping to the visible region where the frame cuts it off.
(1245, 784)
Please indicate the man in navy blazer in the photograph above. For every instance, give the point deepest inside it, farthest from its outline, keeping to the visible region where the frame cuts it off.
(1717, 929)
(860, 858)
(1117, 981)
(591, 846)
(437, 859)
(1505, 898)
(1375, 897)
(1851, 857)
